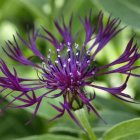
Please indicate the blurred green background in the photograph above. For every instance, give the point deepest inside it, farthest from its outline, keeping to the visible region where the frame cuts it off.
(23, 15)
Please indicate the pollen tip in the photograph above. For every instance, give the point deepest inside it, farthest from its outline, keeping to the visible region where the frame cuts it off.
(77, 53)
(88, 52)
(88, 61)
(58, 50)
(51, 66)
(64, 65)
(56, 61)
(68, 43)
(76, 45)
(68, 50)
(79, 73)
(69, 60)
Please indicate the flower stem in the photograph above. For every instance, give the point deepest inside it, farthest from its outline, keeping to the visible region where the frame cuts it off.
(81, 115)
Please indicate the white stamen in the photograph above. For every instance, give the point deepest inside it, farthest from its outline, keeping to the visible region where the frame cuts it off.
(64, 65)
(58, 50)
(71, 80)
(68, 50)
(68, 43)
(77, 53)
(56, 61)
(88, 61)
(49, 56)
(79, 73)
(69, 60)
(77, 62)
(43, 63)
(76, 45)
(68, 89)
(51, 66)
(59, 56)
(93, 72)
(88, 52)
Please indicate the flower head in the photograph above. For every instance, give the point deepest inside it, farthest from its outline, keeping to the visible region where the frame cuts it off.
(73, 69)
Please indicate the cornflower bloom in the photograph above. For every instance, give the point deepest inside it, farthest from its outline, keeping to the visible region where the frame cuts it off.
(73, 69)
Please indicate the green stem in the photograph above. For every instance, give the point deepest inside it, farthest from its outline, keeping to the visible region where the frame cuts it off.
(81, 115)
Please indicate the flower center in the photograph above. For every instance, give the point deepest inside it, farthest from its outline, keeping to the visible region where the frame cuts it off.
(69, 69)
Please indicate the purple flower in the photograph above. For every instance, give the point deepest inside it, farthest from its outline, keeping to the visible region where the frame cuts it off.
(73, 69)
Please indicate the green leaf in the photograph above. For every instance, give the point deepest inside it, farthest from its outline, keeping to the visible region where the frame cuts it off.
(49, 137)
(35, 6)
(111, 117)
(127, 130)
(134, 136)
(16, 121)
(68, 126)
(127, 10)
(114, 117)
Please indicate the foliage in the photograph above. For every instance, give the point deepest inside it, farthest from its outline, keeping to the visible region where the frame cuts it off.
(122, 119)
